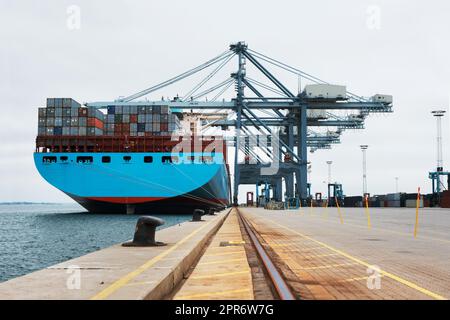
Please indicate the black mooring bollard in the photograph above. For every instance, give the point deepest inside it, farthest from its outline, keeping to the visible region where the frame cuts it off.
(197, 215)
(144, 234)
(211, 212)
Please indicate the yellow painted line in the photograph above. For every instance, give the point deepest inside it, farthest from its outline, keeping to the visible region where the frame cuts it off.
(209, 294)
(216, 275)
(133, 274)
(236, 242)
(357, 279)
(394, 232)
(387, 274)
(222, 254)
(222, 261)
(337, 265)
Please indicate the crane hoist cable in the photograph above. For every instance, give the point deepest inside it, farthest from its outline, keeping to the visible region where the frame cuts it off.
(208, 77)
(179, 77)
(298, 72)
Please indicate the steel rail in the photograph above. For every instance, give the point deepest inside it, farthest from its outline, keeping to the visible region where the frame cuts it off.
(280, 285)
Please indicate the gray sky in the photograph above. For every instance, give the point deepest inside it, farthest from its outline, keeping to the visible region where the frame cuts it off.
(122, 48)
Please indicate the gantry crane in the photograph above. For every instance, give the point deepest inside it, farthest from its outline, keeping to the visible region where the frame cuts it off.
(284, 120)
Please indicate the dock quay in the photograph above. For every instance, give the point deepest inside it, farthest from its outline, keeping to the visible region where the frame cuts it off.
(318, 257)
(132, 273)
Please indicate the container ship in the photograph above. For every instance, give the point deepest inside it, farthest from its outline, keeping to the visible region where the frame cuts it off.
(128, 160)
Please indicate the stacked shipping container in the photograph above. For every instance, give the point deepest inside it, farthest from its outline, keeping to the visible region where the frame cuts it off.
(65, 116)
(140, 121)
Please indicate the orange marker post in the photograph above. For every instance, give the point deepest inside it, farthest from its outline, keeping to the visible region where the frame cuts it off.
(416, 226)
(367, 210)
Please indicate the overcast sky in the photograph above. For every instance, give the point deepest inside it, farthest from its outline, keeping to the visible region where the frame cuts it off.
(122, 47)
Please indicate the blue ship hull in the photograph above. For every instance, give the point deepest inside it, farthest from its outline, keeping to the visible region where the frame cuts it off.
(128, 184)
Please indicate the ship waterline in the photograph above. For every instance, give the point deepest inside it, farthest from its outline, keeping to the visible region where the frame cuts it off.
(121, 182)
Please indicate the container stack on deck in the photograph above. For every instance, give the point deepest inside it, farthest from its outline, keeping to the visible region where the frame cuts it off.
(140, 121)
(66, 117)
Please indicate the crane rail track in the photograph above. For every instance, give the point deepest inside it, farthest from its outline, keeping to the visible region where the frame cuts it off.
(281, 287)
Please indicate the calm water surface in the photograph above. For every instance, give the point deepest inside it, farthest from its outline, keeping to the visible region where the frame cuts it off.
(35, 236)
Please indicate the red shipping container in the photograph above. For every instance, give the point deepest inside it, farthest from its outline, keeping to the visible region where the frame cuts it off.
(82, 112)
(148, 134)
(126, 127)
(133, 118)
(94, 122)
(164, 126)
(98, 124)
(91, 122)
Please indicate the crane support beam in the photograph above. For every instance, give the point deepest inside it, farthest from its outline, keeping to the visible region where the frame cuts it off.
(301, 111)
(311, 123)
(231, 105)
(268, 74)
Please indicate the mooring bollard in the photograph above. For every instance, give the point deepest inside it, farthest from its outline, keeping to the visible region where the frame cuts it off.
(144, 234)
(197, 215)
(211, 212)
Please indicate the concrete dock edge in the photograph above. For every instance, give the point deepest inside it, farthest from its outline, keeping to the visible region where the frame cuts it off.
(118, 272)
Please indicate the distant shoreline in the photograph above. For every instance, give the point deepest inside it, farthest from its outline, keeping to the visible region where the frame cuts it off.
(30, 203)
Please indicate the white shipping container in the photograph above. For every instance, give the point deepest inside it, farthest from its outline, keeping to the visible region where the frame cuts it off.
(325, 91)
(385, 98)
(316, 114)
